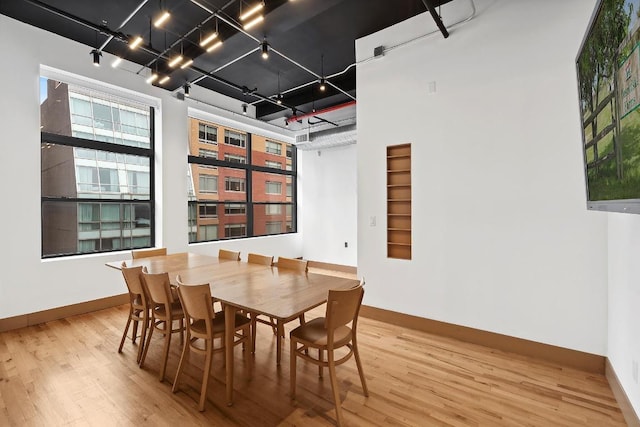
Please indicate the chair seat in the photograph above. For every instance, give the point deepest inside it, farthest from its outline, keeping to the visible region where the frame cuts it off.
(176, 310)
(314, 332)
(199, 326)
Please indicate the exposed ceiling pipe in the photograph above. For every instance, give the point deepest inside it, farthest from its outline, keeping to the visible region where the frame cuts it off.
(296, 118)
(241, 30)
(183, 37)
(127, 19)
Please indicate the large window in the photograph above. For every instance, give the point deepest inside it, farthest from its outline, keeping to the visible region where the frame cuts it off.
(253, 173)
(96, 171)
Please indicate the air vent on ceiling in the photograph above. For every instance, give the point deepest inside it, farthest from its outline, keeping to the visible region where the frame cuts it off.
(337, 137)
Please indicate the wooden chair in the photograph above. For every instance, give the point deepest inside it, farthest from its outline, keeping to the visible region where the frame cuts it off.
(203, 326)
(328, 334)
(138, 307)
(165, 310)
(146, 253)
(232, 255)
(255, 318)
(293, 264)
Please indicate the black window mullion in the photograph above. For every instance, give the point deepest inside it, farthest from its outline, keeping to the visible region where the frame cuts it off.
(152, 175)
(249, 187)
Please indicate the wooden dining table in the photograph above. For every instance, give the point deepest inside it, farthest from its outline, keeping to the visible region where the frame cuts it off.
(280, 293)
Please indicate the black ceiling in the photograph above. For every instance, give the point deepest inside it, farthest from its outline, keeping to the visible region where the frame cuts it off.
(307, 39)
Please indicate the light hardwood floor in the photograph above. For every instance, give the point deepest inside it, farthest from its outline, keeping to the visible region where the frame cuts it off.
(68, 372)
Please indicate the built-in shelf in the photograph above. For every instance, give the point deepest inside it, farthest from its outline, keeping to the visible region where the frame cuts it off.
(399, 201)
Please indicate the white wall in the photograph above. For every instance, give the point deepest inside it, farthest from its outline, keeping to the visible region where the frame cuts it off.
(502, 240)
(330, 196)
(27, 283)
(624, 301)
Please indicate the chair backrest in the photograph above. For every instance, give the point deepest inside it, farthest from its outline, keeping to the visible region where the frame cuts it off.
(343, 307)
(158, 287)
(132, 277)
(293, 264)
(225, 254)
(259, 259)
(146, 253)
(196, 301)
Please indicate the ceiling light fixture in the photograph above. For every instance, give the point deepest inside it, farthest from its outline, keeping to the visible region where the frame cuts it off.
(137, 41)
(175, 61)
(96, 57)
(253, 22)
(187, 63)
(244, 109)
(279, 95)
(187, 88)
(164, 80)
(265, 49)
(116, 62)
(252, 10)
(162, 19)
(152, 78)
(214, 46)
(323, 82)
(211, 37)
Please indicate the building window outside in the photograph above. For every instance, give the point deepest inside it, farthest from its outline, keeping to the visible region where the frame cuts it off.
(210, 154)
(289, 190)
(273, 209)
(235, 209)
(234, 158)
(234, 184)
(235, 138)
(207, 134)
(208, 183)
(274, 227)
(235, 230)
(208, 211)
(207, 232)
(95, 197)
(272, 164)
(273, 147)
(272, 187)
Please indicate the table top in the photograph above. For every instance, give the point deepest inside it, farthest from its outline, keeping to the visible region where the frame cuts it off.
(279, 293)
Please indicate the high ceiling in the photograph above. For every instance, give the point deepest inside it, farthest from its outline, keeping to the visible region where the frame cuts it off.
(306, 41)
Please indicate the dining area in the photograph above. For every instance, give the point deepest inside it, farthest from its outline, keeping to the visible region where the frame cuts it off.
(215, 304)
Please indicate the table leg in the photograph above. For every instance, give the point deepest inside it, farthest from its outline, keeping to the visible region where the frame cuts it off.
(229, 324)
(279, 342)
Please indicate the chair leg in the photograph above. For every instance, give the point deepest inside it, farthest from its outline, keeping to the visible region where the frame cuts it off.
(356, 354)
(320, 359)
(167, 342)
(124, 335)
(183, 359)
(135, 330)
(146, 347)
(334, 385)
(143, 338)
(292, 368)
(274, 327)
(205, 375)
